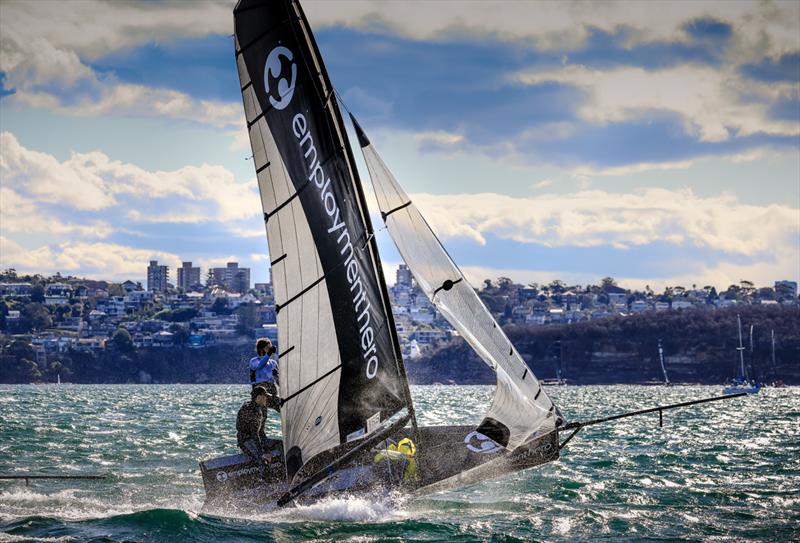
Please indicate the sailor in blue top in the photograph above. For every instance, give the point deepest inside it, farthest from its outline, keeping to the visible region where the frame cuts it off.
(264, 372)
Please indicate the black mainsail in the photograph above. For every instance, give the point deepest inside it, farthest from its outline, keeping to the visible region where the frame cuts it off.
(341, 368)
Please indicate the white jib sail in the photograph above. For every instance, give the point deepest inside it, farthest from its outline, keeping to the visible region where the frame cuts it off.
(520, 403)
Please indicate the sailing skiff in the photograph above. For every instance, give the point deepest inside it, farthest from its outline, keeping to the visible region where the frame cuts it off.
(345, 396)
(343, 383)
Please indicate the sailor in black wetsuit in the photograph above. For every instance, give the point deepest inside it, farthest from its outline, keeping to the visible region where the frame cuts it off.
(250, 423)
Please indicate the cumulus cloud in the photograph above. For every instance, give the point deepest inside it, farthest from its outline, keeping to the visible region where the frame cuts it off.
(240, 139)
(98, 98)
(43, 44)
(707, 99)
(93, 28)
(90, 197)
(93, 260)
(93, 181)
(597, 218)
(590, 171)
(43, 176)
(22, 215)
(762, 28)
(439, 137)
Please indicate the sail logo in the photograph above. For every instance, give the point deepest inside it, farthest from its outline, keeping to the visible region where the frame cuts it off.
(279, 57)
(223, 476)
(340, 231)
(479, 443)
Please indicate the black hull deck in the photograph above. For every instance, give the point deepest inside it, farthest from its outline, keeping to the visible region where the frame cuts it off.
(447, 457)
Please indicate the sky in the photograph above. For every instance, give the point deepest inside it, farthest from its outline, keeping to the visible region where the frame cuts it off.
(654, 142)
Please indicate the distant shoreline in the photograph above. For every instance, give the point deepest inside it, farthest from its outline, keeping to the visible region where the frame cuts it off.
(699, 347)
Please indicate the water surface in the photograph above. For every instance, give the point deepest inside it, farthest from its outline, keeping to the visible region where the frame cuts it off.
(725, 471)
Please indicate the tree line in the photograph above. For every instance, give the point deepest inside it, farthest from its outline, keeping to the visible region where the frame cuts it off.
(699, 346)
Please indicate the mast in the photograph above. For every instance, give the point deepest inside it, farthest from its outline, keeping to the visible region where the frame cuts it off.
(740, 348)
(370, 231)
(401, 368)
(661, 358)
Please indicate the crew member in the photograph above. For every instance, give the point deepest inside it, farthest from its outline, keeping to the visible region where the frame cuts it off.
(250, 421)
(264, 372)
(403, 452)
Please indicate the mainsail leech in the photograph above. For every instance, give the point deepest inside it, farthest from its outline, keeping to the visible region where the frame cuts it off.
(520, 409)
(344, 368)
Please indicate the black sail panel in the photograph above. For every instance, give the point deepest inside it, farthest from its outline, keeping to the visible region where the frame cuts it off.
(331, 273)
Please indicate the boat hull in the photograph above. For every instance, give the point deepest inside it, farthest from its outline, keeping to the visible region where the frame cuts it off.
(446, 457)
(739, 389)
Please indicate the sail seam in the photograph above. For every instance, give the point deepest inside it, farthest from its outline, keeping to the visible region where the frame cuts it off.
(263, 110)
(287, 351)
(262, 168)
(398, 208)
(311, 384)
(247, 85)
(256, 119)
(268, 214)
(283, 256)
(328, 99)
(278, 307)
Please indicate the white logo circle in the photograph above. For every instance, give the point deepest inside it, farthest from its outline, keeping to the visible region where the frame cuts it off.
(274, 67)
(483, 444)
(222, 476)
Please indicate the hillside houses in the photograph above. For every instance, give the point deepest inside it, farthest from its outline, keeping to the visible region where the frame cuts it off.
(85, 315)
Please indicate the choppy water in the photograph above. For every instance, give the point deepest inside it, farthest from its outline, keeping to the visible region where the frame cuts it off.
(721, 472)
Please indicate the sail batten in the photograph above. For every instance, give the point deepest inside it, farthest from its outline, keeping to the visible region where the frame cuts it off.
(345, 367)
(520, 409)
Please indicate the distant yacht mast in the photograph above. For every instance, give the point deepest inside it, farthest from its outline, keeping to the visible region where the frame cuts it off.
(661, 358)
(740, 348)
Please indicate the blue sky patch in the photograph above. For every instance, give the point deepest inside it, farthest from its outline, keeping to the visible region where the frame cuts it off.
(608, 50)
(657, 259)
(786, 110)
(708, 28)
(204, 68)
(4, 91)
(785, 68)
